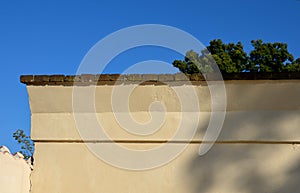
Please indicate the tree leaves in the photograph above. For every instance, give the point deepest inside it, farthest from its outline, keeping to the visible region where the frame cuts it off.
(25, 141)
(231, 57)
(269, 57)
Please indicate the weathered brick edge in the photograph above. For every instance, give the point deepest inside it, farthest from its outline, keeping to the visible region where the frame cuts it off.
(152, 79)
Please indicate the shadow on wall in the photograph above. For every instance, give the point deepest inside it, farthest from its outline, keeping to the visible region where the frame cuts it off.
(251, 167)
(246, 168)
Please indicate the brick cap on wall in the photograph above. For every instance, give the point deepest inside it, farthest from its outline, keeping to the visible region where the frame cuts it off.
(147, 79)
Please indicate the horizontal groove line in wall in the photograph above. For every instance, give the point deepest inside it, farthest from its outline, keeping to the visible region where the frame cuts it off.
(173, 142)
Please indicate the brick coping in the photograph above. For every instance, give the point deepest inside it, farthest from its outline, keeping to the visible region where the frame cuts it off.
(146, 79)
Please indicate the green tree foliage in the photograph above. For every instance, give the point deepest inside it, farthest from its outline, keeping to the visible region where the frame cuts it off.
(231, 57)
(269, 57)
(193, 63)
(25, 141)
(294, 66)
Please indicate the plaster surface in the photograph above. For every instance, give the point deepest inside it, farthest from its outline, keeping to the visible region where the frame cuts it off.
(257, 150)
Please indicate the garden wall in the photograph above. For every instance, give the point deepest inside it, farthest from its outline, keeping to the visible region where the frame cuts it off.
(14, 172)
(258, 149)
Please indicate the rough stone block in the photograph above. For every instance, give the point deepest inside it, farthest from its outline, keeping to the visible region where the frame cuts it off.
(42, 78)
(103, 77)
(152, 77)
(114, 77)
(134, 77)
(165, 77)
(56, 78)
(181, 77)
(88, 78)
(69, 78)
(26, 78)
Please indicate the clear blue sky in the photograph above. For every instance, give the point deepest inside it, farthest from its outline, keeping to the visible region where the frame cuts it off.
(52, 37)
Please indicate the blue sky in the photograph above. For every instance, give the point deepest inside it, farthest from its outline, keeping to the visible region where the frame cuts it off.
(52, 37)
